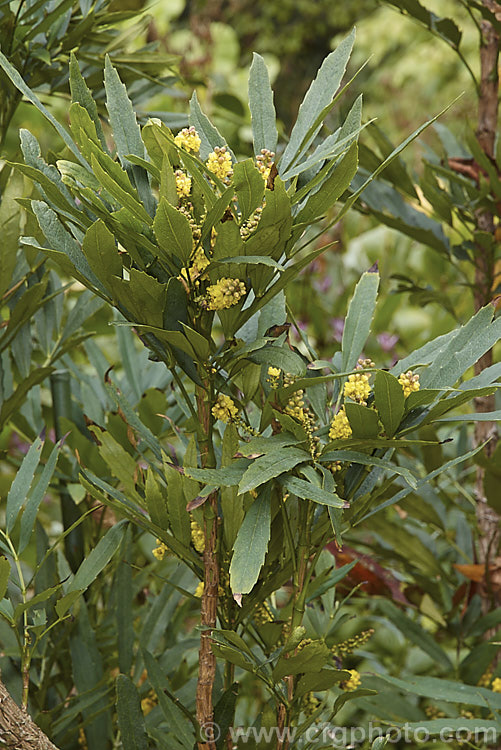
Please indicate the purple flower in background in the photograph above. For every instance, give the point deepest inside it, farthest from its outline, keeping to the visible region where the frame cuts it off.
(387, 341)
(322, 285)
(337, 328)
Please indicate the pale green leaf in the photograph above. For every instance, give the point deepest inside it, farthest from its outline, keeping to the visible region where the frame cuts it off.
(21, 485)
(358, 321)
(263, 117)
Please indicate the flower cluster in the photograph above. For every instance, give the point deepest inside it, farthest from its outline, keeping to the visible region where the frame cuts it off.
(199, 590)
(188, 139)
(350, 644)
(353, 682)
(295, 406)
(160, 550)
(183, 184)
(197, 537)
(357, 387)
(496, 685)
(198, 265)
(219, 163)
(249, 226)
(264, 162)
(263, 614)
(225, 409)
(225, 293)
(340, 426)
(310, 704)
(274, 377)
(409, 382)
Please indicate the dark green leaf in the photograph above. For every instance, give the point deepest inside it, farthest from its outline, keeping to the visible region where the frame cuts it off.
(390, 401)
(173, 232)
(98, 558)
(249, 186)
(251, 544)
(363, 420)
(309, 491)
(270, 466)
(130, 716)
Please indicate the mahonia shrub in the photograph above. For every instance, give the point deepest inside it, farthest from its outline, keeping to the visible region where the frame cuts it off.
(279, 452)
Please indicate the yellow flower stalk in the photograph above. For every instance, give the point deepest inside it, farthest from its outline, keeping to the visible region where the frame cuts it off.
(357, 388)
(225, 293)
(409, 382)
(219, 163)
(188, 139)
(264, 162)
(353, 682)
(197, 537)
(183, 184)
(340, 426)
(160, 550)
(224, 409)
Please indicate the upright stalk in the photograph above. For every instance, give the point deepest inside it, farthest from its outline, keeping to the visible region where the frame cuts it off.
(61, 406)
(208, 612)
(487, 518)
(300, 578)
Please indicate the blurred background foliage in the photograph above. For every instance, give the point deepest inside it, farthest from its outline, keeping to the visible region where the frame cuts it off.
(162, 49)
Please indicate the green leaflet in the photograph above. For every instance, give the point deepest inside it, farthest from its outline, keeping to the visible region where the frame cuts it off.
(263, 117)
(363, 421)
(124, 608)
(251, 544)
(270, 466)
(280, 357)
(364, 460)
(320, 681)
(174, 716)
(311, 658)
(101, 251)
(446, 690)
(19, 83)
(126, 131)
(229, 476)
(463, 349)
(156, 500)
(130, 715)
(61, 240)
(359, 318)
(173, 232)
(178, 516)
(318, 96)
(390, 401)
(4, 575)
(332, 189)
(249, 186)
(98, 558)
(142, 295)
(36, 497)
(415, 633)
(80, 93)
(309, 491)
(22, 482)
(209, 135)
